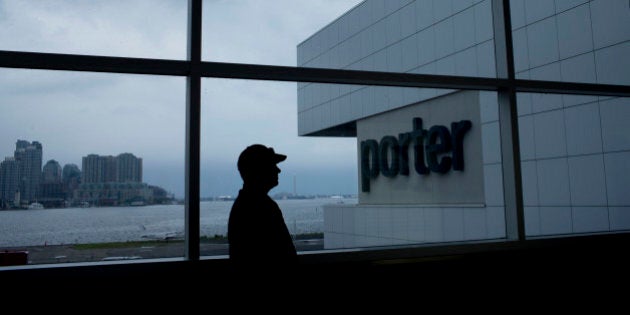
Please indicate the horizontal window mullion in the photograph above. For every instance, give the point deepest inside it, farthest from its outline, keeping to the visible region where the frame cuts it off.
(322, 75)
(357, 77)
(49, 61)
(555, 87)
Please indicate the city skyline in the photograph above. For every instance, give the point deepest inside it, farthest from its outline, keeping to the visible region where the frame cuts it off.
(228, 182)
(103, 180)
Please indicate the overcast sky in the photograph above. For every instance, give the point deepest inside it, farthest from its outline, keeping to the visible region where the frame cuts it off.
(74, 114)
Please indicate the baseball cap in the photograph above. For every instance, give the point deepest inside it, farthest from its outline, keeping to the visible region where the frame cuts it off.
(258, 155)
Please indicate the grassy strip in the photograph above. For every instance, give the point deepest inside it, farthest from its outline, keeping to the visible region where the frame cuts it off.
(122, 244)
(217, 238)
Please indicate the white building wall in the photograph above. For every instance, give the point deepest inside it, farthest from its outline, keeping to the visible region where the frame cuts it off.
(376, 225)
(574, 149)
(437, 37)
(573, 174)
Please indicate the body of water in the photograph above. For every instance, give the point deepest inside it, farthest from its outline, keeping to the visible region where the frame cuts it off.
(120, 224)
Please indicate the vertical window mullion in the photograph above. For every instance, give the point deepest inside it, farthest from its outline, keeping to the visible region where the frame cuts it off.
(508, 121)
(193, 131)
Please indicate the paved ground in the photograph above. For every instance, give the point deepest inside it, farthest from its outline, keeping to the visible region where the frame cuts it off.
(69, 253)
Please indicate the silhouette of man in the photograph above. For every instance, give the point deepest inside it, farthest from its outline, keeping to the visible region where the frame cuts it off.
(257, 234)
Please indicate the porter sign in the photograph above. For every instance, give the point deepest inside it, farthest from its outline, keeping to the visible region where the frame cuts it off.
(427, 153)
(437, 149)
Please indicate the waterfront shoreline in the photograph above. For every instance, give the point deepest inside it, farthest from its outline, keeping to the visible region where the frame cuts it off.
(21, 228)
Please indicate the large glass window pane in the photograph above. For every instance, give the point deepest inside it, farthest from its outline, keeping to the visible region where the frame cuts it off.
(92, 165)
(139, 28)
(574, 158)
(573, 41)
(317, 171)
(422, 166)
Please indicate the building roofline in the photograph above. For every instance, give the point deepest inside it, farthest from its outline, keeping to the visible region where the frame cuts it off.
(331, 22)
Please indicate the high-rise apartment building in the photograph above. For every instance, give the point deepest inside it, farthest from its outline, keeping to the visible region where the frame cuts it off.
(91, 169)
(128, 168)
(99, 169)
(9, 181)
(109, 168)
(110, 181)
(29, 158)
(123, 168)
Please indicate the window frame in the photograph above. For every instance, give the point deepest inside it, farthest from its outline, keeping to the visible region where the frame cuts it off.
(505, 84)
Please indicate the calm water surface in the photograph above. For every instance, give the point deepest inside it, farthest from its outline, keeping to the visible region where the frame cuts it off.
(119, 224)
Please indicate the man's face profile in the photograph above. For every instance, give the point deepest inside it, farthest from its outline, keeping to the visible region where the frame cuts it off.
(258, 167)
(269, 175)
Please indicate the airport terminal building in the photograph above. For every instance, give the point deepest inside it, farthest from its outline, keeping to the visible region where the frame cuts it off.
(430, 162)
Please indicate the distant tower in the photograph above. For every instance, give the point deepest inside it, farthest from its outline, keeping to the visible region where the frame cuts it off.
(29, 157)
(294, 186)
(92, 169)
(51, 172)
(9, 180)
(71, 177)
(70, 171)
(128, 168)
(51, 189)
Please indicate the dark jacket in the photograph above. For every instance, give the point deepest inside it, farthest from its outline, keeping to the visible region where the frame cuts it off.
(257, 233)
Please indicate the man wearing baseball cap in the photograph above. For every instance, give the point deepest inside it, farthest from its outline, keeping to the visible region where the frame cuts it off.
(257, 234)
